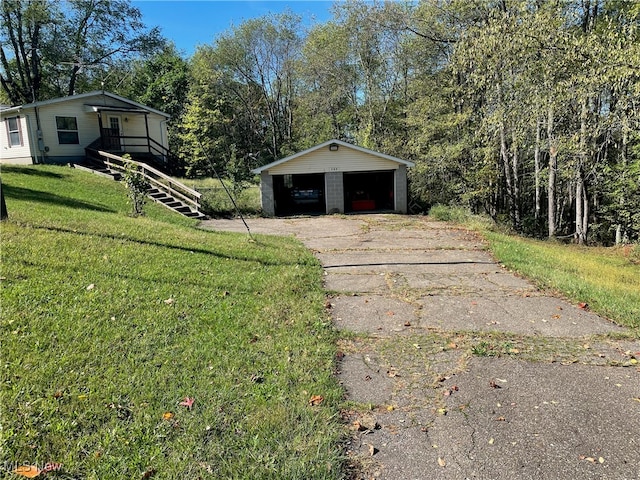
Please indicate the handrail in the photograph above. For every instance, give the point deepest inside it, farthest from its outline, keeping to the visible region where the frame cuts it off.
(155, 177)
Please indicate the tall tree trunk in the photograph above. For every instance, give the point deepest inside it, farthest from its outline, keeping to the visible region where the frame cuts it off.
(581, 228)
(579, 234)
(3, 206)
(621, 230)
(536, 159)
(515, 204)
(504, 155)
(553, 165)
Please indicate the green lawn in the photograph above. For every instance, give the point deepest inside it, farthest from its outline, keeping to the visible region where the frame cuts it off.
(604, 278)
(607, 279)
(109, 322)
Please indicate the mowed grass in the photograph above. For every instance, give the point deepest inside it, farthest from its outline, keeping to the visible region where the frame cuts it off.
(109, 322)
(604, 278)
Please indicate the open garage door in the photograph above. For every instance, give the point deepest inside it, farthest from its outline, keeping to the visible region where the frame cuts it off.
(299, 194)
(368, 191)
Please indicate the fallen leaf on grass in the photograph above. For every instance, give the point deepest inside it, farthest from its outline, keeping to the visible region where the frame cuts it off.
(29, 471)
(91, 286)
(316, 400)
(149, 473)
(187, 402)
(167, 415)
(169, 301)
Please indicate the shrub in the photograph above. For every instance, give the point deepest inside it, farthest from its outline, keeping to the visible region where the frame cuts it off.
(137, 186)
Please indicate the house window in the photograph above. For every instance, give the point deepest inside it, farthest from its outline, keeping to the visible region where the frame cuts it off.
(14, 131)
(67, 130)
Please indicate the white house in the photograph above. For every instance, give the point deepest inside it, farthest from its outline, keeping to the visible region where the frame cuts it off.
(333, 177)
(59, 130)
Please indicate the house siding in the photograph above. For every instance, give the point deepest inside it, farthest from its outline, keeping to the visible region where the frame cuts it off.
(49, 150)
(342, 160)
(88, 130)
(15, 154)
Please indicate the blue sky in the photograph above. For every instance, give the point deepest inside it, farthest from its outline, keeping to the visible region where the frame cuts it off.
(189, 23)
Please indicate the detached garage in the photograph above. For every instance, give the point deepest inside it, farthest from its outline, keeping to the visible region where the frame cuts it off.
(334, 177)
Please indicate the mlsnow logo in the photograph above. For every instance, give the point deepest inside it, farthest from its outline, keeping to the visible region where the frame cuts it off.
(33, 471)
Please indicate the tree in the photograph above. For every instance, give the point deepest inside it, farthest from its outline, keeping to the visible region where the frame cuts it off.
(160, 81)
(52, 49)
(3, 206)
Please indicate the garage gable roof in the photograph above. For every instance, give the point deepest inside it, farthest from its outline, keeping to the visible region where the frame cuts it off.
(326, 144)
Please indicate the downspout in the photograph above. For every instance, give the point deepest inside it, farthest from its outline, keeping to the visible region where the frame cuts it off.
(34, 145)
(40, 140)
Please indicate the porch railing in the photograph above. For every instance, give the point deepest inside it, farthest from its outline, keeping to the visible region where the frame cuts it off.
(155, 177)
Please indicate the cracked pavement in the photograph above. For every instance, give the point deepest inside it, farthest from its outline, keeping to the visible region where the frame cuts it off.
(454, 367)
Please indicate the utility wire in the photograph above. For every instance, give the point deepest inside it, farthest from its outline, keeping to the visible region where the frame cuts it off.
(226, 190)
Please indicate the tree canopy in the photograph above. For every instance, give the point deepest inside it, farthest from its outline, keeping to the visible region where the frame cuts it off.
(526, 110)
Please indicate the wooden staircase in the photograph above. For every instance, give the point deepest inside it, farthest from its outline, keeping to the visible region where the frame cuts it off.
(172, 203)
(164, 189)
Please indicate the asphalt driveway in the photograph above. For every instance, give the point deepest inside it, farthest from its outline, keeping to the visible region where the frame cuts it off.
(459, 368)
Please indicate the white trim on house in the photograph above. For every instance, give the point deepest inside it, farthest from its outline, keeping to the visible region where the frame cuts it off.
(85, 95)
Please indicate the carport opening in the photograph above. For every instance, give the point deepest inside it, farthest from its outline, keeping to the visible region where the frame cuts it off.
(299, 194)
(368, 191)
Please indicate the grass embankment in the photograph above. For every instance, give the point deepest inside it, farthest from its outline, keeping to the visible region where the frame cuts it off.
(607, 279)
(109, 322)
(216, 201)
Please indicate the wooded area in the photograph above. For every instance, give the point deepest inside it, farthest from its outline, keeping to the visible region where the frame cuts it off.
(527, 110)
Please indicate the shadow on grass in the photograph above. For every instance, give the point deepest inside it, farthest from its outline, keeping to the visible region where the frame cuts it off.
(31, 171)
(166, 245)
(21, 193)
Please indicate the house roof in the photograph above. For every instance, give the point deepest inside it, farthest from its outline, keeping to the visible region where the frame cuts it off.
(326, 144)
(135, 105)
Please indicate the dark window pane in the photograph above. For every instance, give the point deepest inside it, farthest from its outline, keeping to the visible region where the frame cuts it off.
(66, 123)
(68, 138)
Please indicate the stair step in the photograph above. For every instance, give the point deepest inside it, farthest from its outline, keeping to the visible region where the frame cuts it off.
(175, 205)
(158, 195)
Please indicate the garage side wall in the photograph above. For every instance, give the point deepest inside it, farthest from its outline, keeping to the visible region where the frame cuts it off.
(266, 194)
(334, 192)
(401, 189)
